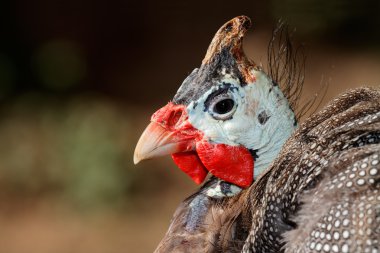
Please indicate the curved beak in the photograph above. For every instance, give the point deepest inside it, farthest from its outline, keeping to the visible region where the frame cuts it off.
(158, 141)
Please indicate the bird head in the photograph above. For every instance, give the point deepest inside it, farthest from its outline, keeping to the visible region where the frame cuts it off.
(228, 117)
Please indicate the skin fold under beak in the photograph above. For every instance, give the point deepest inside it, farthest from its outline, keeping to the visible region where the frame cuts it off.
(157, 141)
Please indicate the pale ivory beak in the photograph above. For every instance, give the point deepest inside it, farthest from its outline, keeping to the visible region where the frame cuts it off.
(157, 141)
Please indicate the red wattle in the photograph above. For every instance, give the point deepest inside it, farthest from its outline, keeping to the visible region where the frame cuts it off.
(233, 164)
(189, 163)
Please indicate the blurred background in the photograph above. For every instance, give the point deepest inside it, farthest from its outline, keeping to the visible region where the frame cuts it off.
(80, 79)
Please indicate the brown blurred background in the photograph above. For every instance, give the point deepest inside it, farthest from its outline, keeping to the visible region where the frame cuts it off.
(79, 81)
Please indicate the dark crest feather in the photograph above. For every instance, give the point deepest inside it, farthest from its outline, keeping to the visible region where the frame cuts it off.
(286, 67)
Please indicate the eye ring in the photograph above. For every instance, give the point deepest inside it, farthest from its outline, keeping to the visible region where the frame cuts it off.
(222, 107)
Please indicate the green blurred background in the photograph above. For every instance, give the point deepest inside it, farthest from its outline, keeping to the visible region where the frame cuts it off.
(79, 81)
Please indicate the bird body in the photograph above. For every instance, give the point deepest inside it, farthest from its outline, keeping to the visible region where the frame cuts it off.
(275, 186)
(321, 191)
(324, 184)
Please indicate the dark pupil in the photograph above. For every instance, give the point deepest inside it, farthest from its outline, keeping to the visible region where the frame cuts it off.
(224, 106)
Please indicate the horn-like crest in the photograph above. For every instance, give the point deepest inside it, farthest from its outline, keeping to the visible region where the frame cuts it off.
(230, 37)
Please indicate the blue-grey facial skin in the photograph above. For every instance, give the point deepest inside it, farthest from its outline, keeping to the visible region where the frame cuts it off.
(261, 118)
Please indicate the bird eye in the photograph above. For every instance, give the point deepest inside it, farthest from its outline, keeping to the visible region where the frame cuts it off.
(223, 107)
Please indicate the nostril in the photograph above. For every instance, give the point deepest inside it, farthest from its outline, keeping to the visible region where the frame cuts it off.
(176, 115)
(169, 115)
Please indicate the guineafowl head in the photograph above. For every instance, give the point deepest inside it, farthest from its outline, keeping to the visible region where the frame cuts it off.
(228, 118)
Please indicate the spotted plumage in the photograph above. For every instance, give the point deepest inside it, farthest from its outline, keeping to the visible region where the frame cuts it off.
(319, 180)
